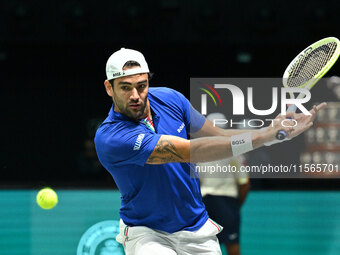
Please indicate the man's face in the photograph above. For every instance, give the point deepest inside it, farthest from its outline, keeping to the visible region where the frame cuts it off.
(130, 95)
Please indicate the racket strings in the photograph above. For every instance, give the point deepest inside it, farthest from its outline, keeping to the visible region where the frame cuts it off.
(309, 65)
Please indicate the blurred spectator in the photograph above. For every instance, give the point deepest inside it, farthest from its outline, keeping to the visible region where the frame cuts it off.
(88, 164)
(224, 195)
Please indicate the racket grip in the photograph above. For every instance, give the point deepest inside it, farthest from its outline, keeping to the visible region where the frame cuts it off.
(281, 135)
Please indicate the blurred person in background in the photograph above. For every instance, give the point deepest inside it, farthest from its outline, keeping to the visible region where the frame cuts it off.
(88, 164)
(224, 194)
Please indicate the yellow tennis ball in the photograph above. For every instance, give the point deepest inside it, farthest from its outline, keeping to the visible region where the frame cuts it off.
(47, 198)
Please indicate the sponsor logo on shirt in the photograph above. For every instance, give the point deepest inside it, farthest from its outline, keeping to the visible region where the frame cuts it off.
(180, 128)
(138, 142)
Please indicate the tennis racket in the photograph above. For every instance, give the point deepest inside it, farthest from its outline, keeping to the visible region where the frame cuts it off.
(308, 68)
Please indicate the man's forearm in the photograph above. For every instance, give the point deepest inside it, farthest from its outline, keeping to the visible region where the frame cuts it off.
(230, 132)
(209, 129)
(175, 149)
(211, 143)
(219, 147)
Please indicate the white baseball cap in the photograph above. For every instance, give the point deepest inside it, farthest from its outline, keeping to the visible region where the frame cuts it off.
(115, 63)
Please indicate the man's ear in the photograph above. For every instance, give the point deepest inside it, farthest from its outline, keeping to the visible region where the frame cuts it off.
(109, 88)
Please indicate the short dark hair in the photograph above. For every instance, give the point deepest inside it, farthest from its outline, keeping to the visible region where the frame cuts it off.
(128, 65)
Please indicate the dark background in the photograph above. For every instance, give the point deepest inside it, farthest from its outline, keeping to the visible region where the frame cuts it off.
(53, 56)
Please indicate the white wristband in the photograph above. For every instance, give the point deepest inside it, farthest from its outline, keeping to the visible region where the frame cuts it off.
(275, 141)
(241, 144)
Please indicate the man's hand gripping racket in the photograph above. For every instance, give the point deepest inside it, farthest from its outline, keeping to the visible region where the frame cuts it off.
(305, 71)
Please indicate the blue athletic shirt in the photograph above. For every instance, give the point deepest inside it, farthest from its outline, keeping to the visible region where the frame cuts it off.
(162, 197)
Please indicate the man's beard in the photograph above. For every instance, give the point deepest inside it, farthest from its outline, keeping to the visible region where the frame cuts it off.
(135, 115)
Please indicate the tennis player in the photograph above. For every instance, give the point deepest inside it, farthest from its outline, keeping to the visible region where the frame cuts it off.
(144, 144)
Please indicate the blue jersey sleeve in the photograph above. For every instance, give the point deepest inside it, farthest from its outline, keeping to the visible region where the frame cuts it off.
(196, 120)
(124, 145)
(193, 119)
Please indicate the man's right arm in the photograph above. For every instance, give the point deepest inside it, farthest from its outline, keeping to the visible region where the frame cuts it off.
(175, 149)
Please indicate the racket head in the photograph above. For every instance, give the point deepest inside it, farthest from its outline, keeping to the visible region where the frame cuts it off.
(308, 67)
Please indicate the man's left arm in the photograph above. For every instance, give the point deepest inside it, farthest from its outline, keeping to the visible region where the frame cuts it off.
(303, 123)
(208, 129)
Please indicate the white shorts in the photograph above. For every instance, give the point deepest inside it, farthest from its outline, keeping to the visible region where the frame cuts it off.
(147, 241)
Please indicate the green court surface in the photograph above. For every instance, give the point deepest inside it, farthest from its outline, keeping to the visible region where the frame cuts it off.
(274, 223)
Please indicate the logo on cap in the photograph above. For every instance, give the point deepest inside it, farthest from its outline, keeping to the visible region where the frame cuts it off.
(118, 74)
